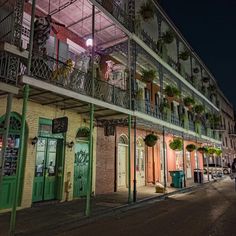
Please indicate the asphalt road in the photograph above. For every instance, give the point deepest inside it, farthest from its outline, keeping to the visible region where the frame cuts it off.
(208, 211)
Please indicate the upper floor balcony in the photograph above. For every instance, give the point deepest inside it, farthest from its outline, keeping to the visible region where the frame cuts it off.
(111, 70)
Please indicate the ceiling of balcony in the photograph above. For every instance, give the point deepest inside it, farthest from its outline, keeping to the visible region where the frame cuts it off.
(76, 15)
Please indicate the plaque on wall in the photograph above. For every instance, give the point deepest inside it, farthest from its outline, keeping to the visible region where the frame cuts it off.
(60, 125)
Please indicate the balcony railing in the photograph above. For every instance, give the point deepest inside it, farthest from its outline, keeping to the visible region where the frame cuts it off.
(62, 74)
(119, 13)
(6, 26)
(11, 67)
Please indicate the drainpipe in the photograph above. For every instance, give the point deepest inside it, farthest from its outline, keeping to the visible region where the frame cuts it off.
(184, 162)
(23, 128)
(134, 181)
(129, 122)
(90, 164)
(164, 156)
(129, 158)
(4, 137)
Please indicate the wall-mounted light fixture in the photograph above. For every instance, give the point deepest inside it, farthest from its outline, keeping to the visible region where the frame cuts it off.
(70, 144)
(34, 140)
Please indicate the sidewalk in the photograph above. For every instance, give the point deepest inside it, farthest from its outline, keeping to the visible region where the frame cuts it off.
(43, 217)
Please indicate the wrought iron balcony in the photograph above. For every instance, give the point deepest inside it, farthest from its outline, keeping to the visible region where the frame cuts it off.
(62, 74)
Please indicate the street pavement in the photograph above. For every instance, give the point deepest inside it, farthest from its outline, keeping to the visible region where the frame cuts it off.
(208, 211)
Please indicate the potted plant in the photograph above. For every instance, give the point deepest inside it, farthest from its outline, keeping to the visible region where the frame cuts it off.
(168, 37)
(188, 101)
(218, 152)
(190, 147)
(211, 150)
(205, 79)
(171, 91)
(176, 144)
(83, 132)
(199, 109)
(184, 55)
(150, 139)
(139, 94)
(148, 75)
(202, 150)
(195, 70)
(164, 105)
(147, 10)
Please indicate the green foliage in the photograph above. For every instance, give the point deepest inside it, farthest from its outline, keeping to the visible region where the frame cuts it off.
(190, 147)
(150, 139)
(199, 109)
(171, 91)
(164, 104)
(148, 75)
(147, 10)
(188, 101)
(202, 150)
(168, 37)
(214, 120)
(184, 55)
(218, 152)
(83, 132)
(211, 150)
(205, 79)
(195, 70)
(176, 144)
(139, 94)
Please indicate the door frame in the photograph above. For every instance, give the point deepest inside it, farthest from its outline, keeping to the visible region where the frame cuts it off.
(5, 179)
(123, 141)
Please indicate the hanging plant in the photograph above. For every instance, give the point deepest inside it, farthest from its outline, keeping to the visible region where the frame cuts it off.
(211, 150)
(150, 140)
(190, 147)
(148, 75)
(188, 101)
(218, 152)
(171, 91)
(139, 94)
(147, 10)
(205, 79)
(202, 150)
(184, 55)
(168, 37)
(164, 105)
(195, 70)
(176, 144)
(199, 109)
(83, 132)
(211, 88)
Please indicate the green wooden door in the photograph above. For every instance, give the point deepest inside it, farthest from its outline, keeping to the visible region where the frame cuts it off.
(45, 180)
(81, 168)
(11, 157)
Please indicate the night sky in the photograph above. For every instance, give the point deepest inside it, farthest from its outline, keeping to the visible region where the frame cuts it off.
(210, 28)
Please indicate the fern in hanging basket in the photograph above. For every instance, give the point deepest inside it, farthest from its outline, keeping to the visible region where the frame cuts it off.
(199, 109)
(211, 150)
(147, 10)
(168, 37)
(190, 147)
(195, 70)
(176, 144)
(184, 55)
(171, 91)
(188, 101)
(205, 79)
(148, 75)
(150, 140)
(218, 152)
(202, 150)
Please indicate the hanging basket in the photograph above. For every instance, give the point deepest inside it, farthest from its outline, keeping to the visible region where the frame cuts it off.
(202, 150)
(190, 147)
(176, 144)
(150, 140)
